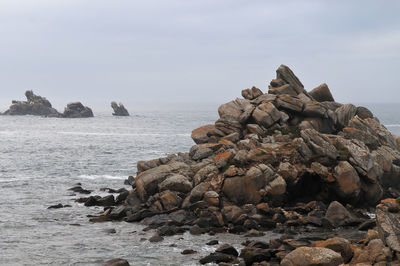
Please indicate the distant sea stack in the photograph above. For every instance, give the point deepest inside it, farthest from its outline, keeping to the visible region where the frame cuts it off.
(34, 105)
(77, 110)
(119, 110)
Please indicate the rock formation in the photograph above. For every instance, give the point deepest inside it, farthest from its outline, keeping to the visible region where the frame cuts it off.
(34, 105)
(77, 110)
(284, 159)
(119, 110)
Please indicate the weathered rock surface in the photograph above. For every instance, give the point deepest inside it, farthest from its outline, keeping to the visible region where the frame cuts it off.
(119, 109)
(306, 256)
(77, 110)
(322, 93)
(34, 105)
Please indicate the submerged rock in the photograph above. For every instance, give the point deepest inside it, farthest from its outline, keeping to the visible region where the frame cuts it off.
(119, 110)
(34, 105)
(77, 110)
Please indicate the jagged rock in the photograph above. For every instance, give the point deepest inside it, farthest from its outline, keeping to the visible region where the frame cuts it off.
(373, 254)
(252, 93)
(284, 89)
(306, 256)
(290, 103)
(319, 143)
(388, 225)
(315, 109)
(266, 115)
(322, 93)
(253, 255)
(119, 110)
(344, 114)
(35, 105)
(77, 110)
(285, 74)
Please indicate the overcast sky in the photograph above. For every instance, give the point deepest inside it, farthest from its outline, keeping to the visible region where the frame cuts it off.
(158, 52)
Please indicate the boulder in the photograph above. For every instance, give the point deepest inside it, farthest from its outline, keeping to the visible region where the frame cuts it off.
(338, 215)
(252, 93)
(77, 110)
(348, 181)
(178, 183)
(312, 256)
(322, 93)
(252, 255)
(202, 134)
(364, 112)
(266, 115)
(315, 109)
(35, 105)
(290, 103)
(339, 245)
(284, 89)
(246, 189)
(285, 74)
(119, 110)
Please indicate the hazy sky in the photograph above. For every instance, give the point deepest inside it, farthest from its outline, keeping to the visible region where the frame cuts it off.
(157, 52)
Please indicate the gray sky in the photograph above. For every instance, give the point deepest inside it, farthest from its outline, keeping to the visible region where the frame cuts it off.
(158, 52)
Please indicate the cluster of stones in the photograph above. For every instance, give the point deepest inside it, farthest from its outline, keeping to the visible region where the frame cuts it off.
(283, 159)
(40, 106)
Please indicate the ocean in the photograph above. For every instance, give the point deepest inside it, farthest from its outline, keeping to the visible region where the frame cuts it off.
(41, 158)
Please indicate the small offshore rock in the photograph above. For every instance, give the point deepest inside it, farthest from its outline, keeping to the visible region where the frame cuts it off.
(116, 262)
(188, 252)
(156, 238)
(119, 110)
(77, 110)
(212, 243)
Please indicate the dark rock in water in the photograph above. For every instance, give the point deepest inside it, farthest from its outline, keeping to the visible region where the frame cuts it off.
(79, 189)
(369, 224)
(188, 252)
(253, 254)
(77, 110)
(116, 262)
(58, 206)
(227, 249)
(212, 243)
(217, 257)
(119, 110)
(100, 201)
(35, 105)
(156, 238)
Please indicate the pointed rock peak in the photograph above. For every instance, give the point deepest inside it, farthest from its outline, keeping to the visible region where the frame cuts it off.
(286, 74)
(322, 93)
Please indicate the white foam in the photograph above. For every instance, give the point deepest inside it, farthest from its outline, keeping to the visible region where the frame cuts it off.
(92, 177)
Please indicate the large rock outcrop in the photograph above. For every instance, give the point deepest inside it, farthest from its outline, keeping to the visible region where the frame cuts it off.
(279, 158)
(119, 110)
(34, 105)
(77, 110)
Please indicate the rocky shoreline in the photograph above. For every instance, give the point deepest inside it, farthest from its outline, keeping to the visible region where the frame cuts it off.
(291, 161)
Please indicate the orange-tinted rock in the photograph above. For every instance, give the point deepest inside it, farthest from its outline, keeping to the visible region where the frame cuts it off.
(202, 134)
(221, 159)
(311, 256)
(340, 245)
(347, 180)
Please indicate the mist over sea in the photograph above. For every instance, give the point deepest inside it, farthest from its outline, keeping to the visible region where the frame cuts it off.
(41, 158)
